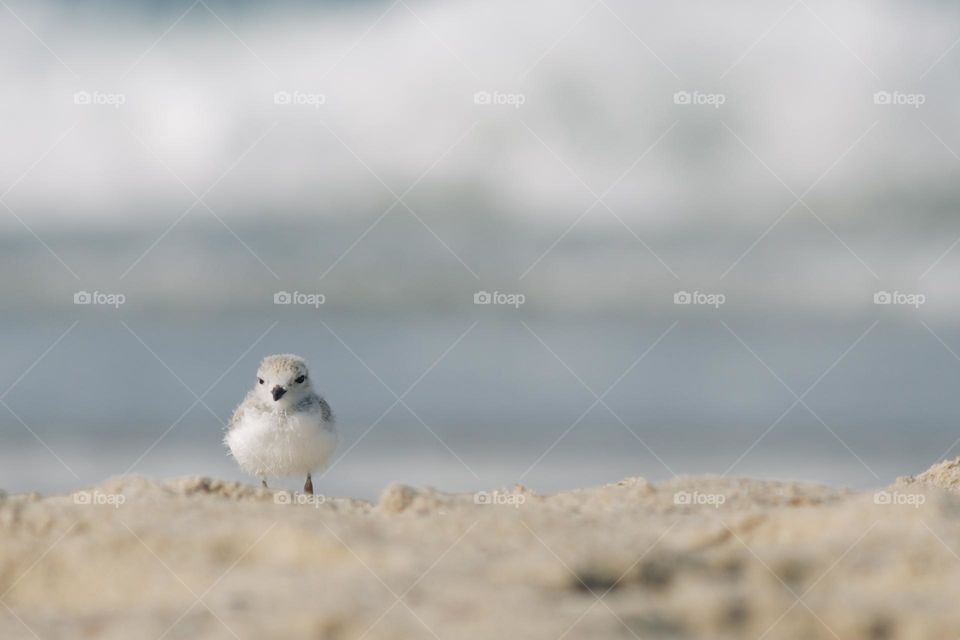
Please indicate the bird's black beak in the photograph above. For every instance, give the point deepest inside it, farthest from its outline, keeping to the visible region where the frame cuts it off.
(277, 392)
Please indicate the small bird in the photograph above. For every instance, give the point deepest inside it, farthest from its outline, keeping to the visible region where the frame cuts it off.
(282, 427)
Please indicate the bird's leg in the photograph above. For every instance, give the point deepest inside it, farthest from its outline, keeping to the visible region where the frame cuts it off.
(308, 486)
(263, 483)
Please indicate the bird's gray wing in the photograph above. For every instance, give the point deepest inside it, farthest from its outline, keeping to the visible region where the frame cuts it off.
(325, 411)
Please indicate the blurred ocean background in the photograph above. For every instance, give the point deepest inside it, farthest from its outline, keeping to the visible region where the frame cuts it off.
(200, 157)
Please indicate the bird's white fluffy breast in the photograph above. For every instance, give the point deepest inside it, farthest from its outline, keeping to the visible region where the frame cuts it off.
(279, 444)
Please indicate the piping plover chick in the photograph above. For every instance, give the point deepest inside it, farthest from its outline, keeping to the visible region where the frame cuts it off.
(283, 427)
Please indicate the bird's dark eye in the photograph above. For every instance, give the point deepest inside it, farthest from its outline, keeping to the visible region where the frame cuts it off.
(260, 380)
(300, 379)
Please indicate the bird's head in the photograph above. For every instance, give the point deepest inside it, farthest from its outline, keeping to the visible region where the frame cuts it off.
(282, 381)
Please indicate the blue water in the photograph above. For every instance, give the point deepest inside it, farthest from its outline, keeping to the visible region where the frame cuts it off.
(493, 406)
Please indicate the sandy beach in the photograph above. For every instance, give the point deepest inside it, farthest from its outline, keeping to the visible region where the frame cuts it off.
(696, 557)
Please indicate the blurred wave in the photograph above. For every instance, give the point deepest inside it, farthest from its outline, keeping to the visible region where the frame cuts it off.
(299, 184)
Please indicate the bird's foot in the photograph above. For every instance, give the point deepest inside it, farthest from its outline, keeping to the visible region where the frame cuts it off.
(308, 486)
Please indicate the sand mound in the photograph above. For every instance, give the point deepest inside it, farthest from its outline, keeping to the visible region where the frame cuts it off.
(695, 557)
(943, 475)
